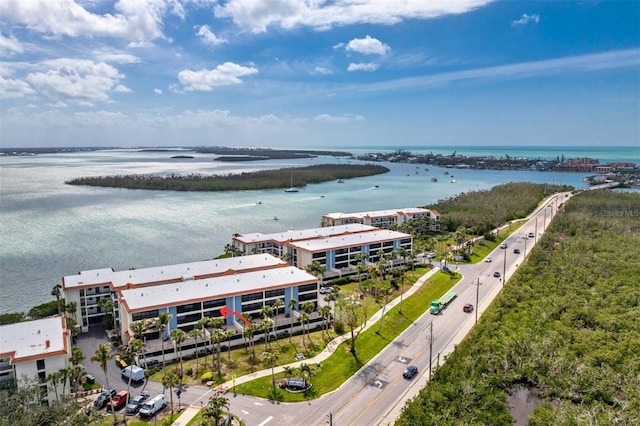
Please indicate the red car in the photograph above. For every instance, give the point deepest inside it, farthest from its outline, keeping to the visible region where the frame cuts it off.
(118, 401)
(468, 307)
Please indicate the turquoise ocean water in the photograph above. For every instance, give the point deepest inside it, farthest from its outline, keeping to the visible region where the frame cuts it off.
(49, 229)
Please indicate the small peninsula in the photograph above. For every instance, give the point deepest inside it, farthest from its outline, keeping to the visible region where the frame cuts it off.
(264, 179)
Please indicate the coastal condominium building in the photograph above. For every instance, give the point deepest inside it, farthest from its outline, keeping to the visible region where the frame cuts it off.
(384, 218)
(337, 248)
(189, 292)
(33, 350)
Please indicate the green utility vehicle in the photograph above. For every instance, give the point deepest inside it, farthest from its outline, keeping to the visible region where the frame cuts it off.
(438, 305)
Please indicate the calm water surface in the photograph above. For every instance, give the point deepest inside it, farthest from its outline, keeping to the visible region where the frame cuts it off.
(50, 229)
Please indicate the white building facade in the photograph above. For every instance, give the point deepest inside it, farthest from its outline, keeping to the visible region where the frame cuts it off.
(384, 218)
(34, 349)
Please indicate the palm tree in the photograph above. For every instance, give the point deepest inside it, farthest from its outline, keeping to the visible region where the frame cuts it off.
(57, 292)
(306, 371)
(202, 323)
(72, 308)
(215, 409)
(103, 355)
(265, 326)
(65, 376)
(277, 304)
(170, 381)
(304, 318)
(229, 334)
(266, 312)
(137, 329)
(218, 336)
(54, 378)
(325, 313)
(77, 356)
(179, 336)
(210, 324)
(132, 350)
(247, 333)
(316, 269)
(106, 305)
(161, 324)
(270, 359)
(76, 376)
(196, 333)
(292, 305)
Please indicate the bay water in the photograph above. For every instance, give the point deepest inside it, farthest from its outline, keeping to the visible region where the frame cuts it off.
(50, 229)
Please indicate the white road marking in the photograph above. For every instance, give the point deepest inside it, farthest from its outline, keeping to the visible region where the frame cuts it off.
(267, 420)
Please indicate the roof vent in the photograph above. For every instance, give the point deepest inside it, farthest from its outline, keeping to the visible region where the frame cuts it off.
(47, 343)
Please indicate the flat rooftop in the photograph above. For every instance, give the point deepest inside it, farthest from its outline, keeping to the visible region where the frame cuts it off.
(31, 340)
(167, 273)
(351, 240)
(380, 213)
(179, 293)
(302, 234)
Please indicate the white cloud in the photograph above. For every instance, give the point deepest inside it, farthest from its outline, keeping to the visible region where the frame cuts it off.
(12, 88)
(116, 57)
(571, 64)
(362, 66)
(256, 16)
(157, 91)
(338, 118)
(525, 19)
(223, 75)
(122, 89)
(368, 46)
(130, 19)
(321, 71)
(75, 80)
(9, 46)
(207, 36)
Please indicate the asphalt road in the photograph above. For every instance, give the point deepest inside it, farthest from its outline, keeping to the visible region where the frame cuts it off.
(376, 393)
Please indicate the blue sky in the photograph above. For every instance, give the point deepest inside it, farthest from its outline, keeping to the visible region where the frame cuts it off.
(313, 73)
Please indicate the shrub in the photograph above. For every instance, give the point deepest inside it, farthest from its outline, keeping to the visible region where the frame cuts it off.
(338, 327)
(489, 236)
(206, 377)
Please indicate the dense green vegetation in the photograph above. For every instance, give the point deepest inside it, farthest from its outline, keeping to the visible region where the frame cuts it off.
(249, 154)
(566, 328)
(43, 310)
(265, 179)
(488, 209)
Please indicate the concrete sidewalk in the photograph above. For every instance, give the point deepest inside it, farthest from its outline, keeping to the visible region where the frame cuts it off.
(193, 410)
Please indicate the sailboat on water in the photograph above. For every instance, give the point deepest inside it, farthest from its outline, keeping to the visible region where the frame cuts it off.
(291, 188)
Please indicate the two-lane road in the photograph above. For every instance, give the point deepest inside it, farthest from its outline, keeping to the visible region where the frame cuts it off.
(378, 391)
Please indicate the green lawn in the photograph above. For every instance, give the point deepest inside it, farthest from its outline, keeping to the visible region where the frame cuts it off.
(341, 365)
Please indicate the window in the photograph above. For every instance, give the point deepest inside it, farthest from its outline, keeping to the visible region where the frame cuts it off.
(274, 293)
(40, 364)
(42, 377)
(213, 303)
(188, 308)
(308, 287)
(252, 296)
(145, 315)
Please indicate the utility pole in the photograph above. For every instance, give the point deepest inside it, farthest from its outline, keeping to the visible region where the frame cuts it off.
(477, 298)
(536, 237)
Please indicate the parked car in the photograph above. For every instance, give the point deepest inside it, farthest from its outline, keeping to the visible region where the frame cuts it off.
(324, 290)
(151, 406)
(496, 274)
(516, 251)
(103, 398)
(468, 308)
(410, 372)
(134, 406)
(118, 401)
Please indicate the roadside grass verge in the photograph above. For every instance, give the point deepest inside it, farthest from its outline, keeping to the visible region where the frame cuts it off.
(341, 365)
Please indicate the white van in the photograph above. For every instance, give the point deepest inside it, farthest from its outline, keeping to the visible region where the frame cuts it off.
(134, 372)
(150, 407)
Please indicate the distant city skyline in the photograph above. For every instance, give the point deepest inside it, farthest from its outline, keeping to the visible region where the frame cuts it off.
(306, 74)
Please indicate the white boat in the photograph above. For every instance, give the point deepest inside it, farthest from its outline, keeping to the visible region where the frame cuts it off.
(291, 188)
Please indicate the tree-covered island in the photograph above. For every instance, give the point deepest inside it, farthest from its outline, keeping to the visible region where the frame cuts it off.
(264, 179)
